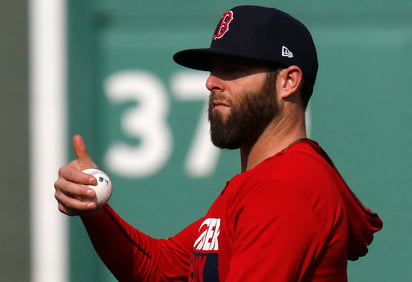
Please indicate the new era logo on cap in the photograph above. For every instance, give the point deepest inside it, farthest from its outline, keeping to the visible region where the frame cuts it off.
(286, 52)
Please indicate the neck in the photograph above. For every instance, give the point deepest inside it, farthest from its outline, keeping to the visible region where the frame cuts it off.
(278, 135)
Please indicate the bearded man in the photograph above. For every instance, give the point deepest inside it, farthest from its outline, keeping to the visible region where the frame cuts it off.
(288, 216)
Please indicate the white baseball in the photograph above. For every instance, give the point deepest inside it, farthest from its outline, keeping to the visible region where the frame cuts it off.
(103, 187)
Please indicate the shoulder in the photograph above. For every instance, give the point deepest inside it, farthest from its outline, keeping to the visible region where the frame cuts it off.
(298, 177)
(297, 166)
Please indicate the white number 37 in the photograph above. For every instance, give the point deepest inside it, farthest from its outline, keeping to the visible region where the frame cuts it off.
(147, 122)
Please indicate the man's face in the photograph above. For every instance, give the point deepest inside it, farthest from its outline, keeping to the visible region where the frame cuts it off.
(242, 103)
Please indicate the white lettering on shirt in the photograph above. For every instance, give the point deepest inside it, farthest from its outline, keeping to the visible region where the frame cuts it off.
(208, 239)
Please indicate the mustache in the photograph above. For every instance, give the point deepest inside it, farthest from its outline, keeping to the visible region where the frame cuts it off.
(219, 99)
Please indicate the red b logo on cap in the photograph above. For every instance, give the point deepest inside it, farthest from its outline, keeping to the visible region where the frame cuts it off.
(224, 25)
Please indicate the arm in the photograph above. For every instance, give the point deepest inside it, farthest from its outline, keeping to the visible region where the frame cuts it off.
(130, 254)
(134, 256)
(275, 236)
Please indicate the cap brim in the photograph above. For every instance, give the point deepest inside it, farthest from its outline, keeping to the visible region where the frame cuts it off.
(199, 59)
(202, 59)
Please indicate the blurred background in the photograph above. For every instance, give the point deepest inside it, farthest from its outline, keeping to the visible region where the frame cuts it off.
(103, 69)
(14, 142)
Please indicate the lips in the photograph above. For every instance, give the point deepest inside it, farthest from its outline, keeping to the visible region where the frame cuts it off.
(217, 100)
(220, 104)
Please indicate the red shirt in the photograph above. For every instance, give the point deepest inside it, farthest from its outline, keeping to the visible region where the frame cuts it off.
(291, 218)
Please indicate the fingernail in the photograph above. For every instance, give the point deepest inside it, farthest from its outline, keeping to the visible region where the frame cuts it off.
(90, 205)
(92, 180)
(90, 192)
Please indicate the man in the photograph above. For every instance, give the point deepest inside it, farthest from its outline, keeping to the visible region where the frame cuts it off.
(289, 216)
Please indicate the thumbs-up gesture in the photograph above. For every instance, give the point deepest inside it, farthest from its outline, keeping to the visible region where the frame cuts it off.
(73, 197)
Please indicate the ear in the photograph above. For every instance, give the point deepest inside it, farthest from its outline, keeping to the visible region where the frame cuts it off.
(289, 81)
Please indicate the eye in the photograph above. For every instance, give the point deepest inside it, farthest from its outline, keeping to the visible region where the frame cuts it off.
(239, 70)
(230, 72)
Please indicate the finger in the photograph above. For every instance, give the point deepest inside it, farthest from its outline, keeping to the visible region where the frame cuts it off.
(81, 153)
(72, 174)
(74, 205)
(72, 208)
(63, 208)
(74, 190)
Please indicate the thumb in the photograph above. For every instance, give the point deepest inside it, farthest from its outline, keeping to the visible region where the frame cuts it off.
(80, 150)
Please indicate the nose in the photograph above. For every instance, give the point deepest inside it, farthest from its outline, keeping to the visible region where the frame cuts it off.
(214, 83)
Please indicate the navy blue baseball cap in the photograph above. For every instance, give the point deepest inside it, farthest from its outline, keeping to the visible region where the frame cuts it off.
(261, 34)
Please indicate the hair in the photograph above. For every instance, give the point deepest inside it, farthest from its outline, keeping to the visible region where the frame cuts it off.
(306, 90)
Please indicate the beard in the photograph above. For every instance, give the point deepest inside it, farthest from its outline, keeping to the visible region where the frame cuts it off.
(248, 118)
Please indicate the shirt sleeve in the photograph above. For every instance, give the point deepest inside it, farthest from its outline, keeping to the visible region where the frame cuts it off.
(134, 256)
(275, 235)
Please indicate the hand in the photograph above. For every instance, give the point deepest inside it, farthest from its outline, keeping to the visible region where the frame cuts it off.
(72, 196)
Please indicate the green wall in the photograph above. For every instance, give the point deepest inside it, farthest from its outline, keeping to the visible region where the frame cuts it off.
(121, 72)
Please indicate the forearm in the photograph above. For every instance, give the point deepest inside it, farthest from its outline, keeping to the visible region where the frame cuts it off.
(128, 253)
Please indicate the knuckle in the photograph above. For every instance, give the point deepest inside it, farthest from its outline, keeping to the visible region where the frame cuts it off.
(61, 171)
(63, 209)
(57, 184)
